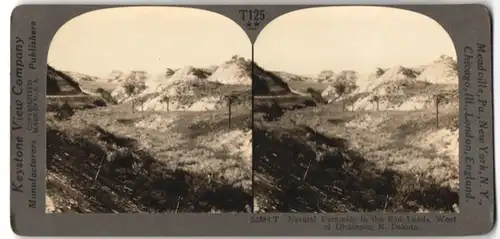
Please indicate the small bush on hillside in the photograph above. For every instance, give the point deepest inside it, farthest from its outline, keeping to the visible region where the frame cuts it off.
(169, 72)
(64, 112)
(409, 73)
(380, 72)
(200, 73)
(99, 103)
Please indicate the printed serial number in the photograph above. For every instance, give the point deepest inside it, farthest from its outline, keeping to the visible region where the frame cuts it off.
(264, 219)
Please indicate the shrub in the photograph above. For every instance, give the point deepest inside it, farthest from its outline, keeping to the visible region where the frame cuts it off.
(380, 72)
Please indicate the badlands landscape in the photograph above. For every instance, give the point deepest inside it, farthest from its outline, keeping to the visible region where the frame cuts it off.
(133, 141)
(187, 140)
(385, 141)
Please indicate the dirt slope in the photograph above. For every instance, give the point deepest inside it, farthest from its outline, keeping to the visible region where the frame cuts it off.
(59, 83)
(151, 162)
(268, 83)
(315, 160)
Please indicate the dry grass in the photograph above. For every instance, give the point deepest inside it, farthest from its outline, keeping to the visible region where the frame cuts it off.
(322, 159)
(165, 154)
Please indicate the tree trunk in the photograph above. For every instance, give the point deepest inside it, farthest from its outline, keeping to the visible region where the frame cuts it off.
(437, 114)
(168, 105)
(378, 109)
(229, 112)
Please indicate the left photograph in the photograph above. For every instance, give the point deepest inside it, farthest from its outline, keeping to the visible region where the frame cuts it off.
(149, 110)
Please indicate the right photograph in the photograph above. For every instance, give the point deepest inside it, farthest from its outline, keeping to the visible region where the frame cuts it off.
(355, 109)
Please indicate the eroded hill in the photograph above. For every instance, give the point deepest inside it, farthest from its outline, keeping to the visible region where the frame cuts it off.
(169, 144)
(385, 145)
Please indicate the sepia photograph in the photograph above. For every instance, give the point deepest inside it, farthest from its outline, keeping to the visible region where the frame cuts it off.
(355, 110)
(149, 110)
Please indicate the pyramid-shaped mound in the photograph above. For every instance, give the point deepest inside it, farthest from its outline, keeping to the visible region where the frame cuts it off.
(197, 89)
(394, 74)
(236, 71)
(442, 71)
(402, 88)
(194, 86)
(196, 94)
(193, 89)
(268, 83)
(59, 83)
(186, 73)
(173, 77)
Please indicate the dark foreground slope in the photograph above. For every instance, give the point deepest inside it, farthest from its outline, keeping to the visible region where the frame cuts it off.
(97, 162)
(300, 169)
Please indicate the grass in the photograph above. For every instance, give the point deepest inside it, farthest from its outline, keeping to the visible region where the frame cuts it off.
(160, 166)
(320, 159)
(307, 157)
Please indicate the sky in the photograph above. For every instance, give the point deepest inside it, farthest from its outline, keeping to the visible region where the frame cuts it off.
(350, 38)
(146, 38)
(302, 42)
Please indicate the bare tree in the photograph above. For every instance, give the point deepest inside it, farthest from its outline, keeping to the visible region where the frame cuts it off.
(230, 99)
(166, 99)
(376, 99)
(438, 98)
(142, 101)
